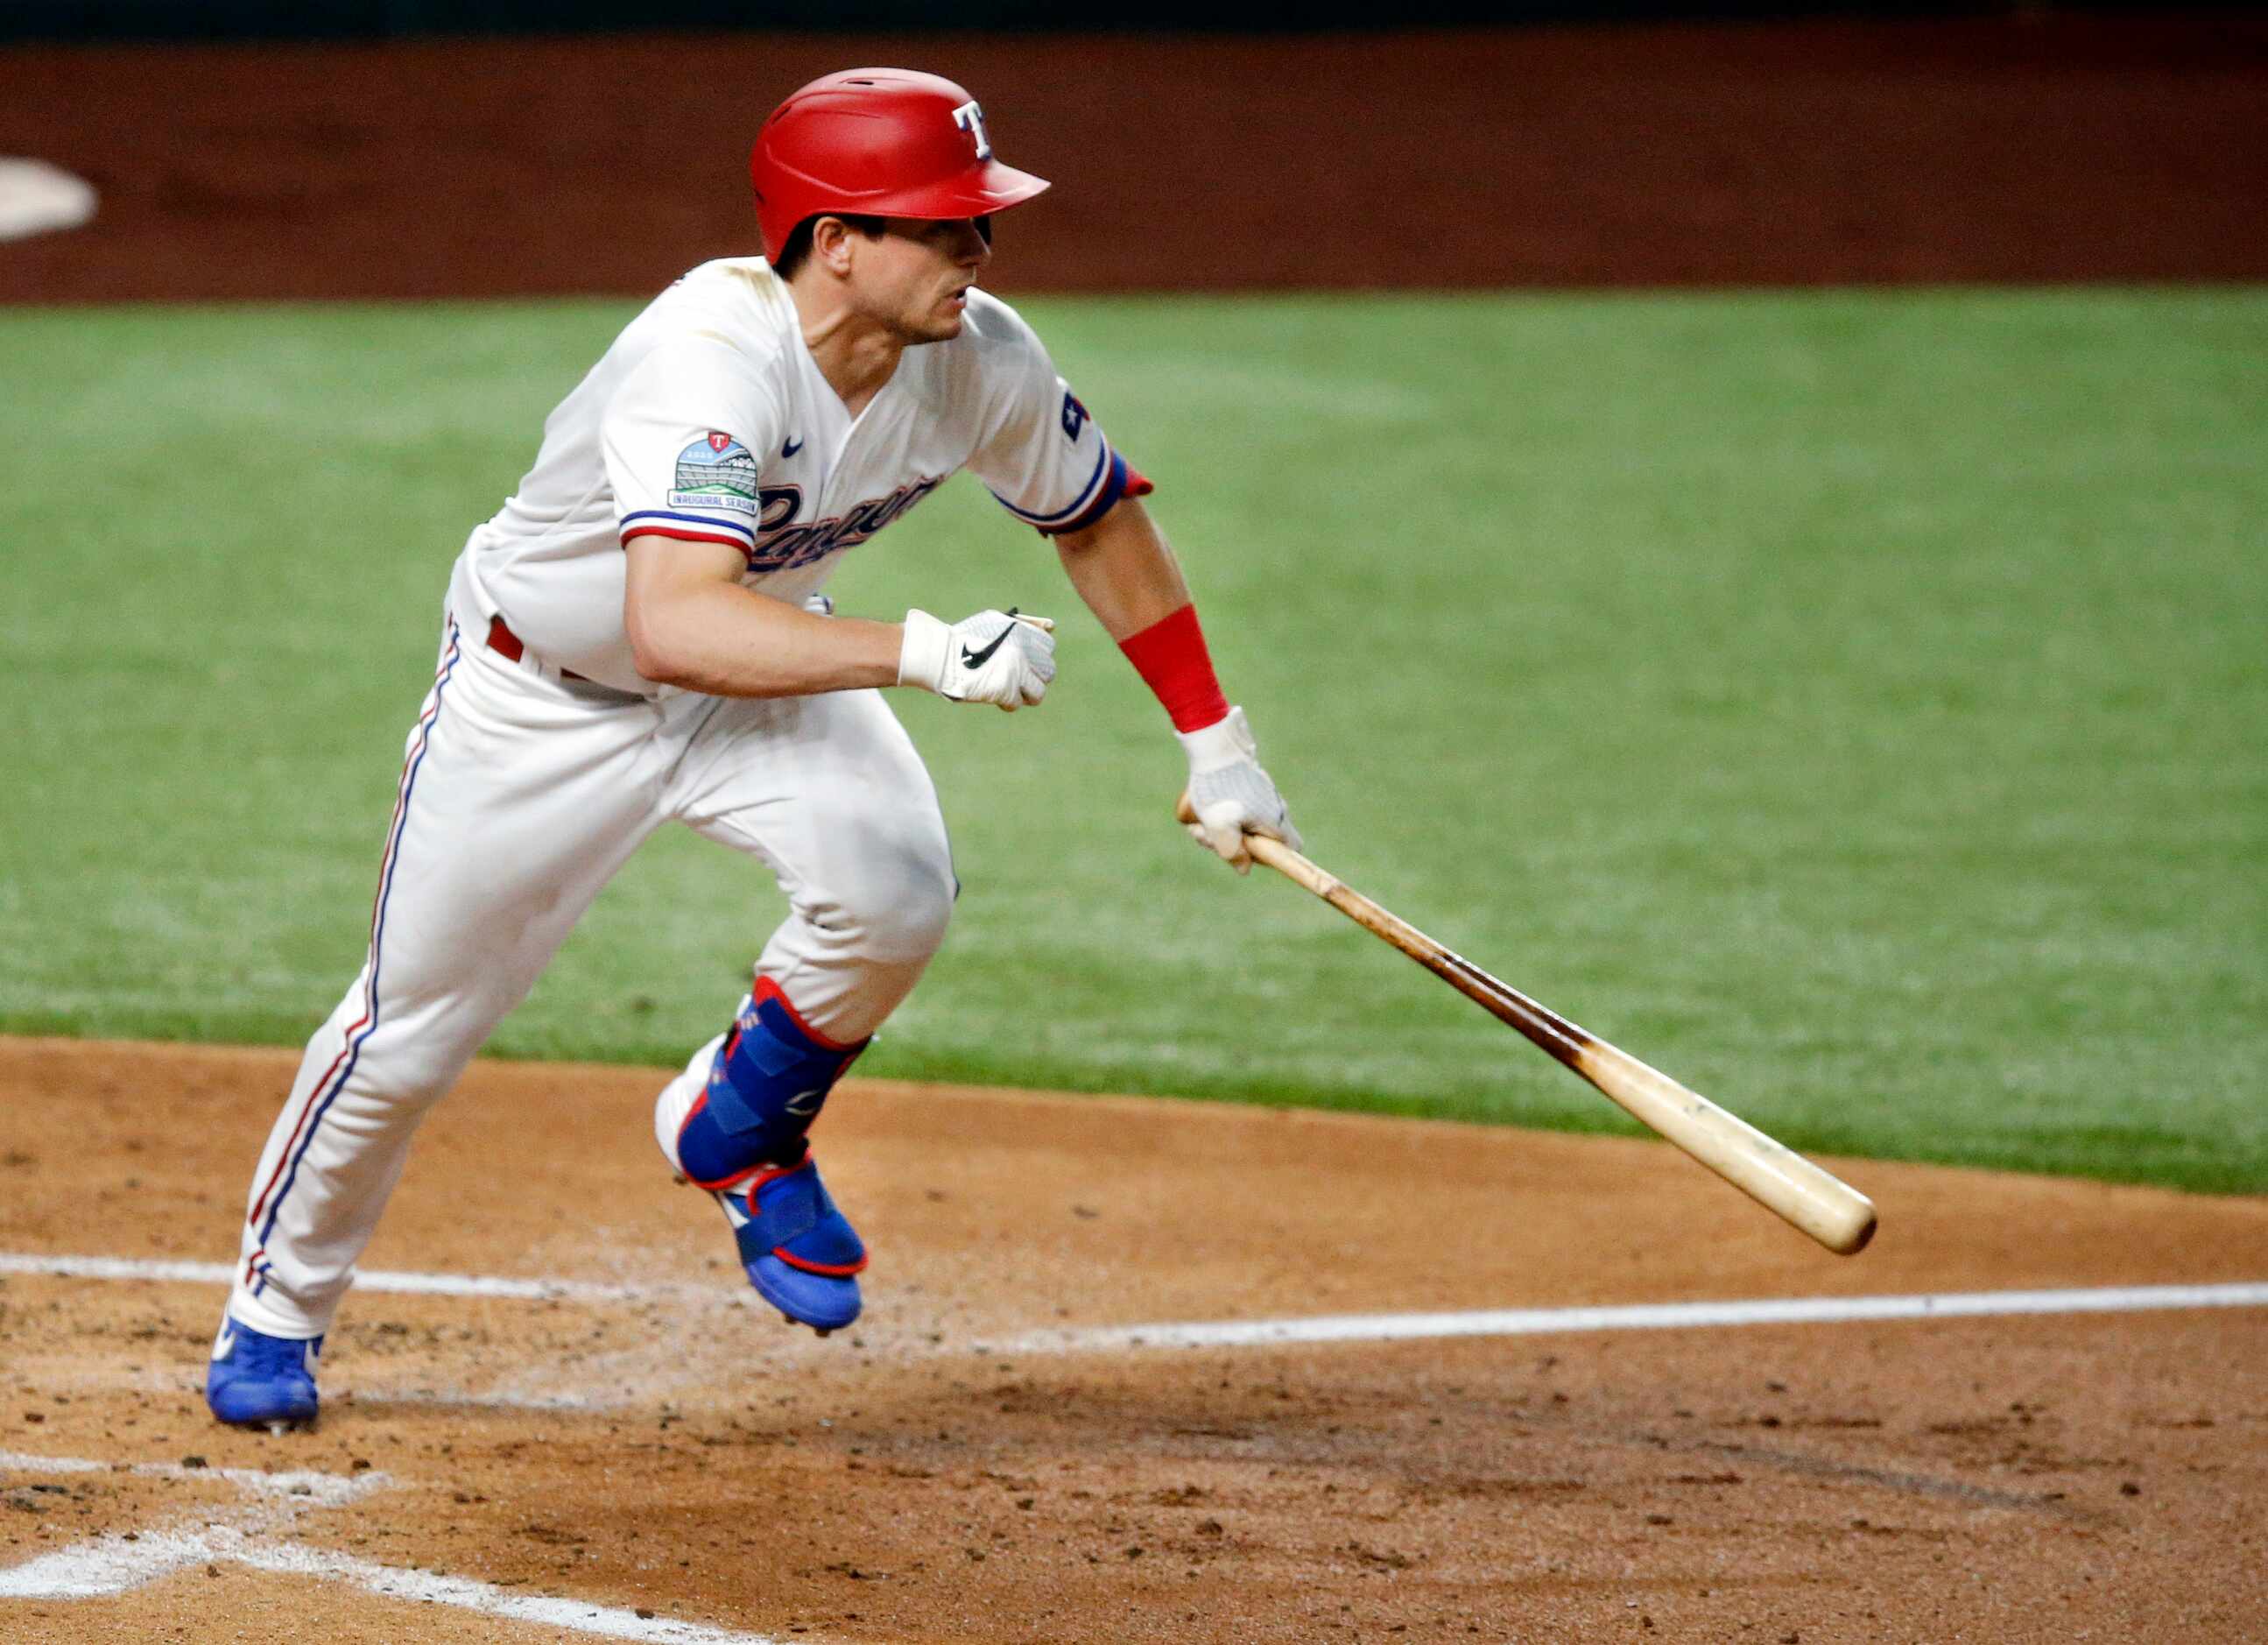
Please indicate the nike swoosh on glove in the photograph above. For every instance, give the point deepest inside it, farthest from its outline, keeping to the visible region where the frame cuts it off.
(1230, 793)
(1004, 658)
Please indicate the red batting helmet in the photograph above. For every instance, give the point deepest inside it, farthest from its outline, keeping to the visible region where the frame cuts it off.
(879, 143)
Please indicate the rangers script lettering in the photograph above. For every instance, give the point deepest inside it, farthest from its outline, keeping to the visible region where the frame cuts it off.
(791, 546)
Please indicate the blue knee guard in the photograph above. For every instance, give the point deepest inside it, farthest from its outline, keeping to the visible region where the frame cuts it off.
(767, 1085)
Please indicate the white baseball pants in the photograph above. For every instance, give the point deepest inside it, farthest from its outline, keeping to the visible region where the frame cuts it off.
(521, 794)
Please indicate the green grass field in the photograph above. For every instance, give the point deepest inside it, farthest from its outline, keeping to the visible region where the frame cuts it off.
(1855, 704)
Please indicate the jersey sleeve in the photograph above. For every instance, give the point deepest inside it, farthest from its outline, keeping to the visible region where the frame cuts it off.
(1042, 456)
(680, 438)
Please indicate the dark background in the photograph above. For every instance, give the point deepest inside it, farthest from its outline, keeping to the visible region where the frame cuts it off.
(2040, 145)
(367, 20)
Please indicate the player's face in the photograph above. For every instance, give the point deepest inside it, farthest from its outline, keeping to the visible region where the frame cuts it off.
(915, 279)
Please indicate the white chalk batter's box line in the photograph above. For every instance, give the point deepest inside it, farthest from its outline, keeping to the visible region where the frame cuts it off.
(123, 1561)
(1343, 1328)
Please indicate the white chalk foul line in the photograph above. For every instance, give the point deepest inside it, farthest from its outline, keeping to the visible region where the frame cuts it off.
(73, 1267)
(1513, 1322)
(308, 1485)
(1522, 1322)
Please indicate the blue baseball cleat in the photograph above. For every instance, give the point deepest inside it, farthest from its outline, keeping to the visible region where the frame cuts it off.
(259, 1381)
(800, 1253)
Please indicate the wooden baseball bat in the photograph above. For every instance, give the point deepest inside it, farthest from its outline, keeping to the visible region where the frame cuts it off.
(1776, 1177)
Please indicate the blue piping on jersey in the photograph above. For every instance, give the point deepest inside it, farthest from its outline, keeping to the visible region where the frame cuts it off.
(1104, 500)
(322, 1102)
(1102, 463)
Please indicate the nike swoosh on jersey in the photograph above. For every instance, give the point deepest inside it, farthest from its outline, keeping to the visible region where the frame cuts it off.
(791, 447)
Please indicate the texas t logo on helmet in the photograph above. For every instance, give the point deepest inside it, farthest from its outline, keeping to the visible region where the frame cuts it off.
(879, 143)
(970, 118)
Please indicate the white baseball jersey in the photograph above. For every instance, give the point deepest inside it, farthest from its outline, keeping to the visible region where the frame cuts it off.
(708, 420)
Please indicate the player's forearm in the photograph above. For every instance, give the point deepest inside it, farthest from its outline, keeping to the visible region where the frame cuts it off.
(731, 641)
(1124, 570)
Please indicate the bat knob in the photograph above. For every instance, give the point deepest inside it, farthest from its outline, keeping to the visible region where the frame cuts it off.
(1183, 811)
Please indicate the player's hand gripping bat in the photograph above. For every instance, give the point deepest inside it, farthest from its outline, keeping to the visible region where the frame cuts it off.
(1782, 1181)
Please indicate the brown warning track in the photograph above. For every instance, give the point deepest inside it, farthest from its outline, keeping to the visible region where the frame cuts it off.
(2044, 147)
(2010, 1478)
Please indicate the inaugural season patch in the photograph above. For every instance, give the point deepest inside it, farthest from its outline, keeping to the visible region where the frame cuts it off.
(716, 472)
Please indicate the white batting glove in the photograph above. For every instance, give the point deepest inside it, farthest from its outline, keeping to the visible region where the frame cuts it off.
(1231, 794)
(999, 657)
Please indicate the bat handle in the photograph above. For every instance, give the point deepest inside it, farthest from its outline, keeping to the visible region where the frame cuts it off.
(1273, 852)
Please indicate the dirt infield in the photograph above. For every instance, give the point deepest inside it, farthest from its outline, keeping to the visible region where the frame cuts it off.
(655, 1451)
(2040, 148)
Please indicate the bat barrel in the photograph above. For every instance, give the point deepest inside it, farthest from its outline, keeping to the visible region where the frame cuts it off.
(1800, 1192)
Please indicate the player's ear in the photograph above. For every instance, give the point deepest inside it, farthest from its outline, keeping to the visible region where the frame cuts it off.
(830, 244)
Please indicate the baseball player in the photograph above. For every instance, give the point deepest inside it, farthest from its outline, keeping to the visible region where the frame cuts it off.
(638, 635)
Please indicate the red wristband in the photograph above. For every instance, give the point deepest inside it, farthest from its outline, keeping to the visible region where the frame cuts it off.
(1170, 656)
